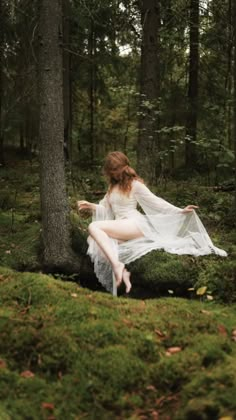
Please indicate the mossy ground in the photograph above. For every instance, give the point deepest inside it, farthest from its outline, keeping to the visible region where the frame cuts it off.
(92, 356)
(95, 357)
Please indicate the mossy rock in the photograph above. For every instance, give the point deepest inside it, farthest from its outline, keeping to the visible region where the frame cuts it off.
(159, 273)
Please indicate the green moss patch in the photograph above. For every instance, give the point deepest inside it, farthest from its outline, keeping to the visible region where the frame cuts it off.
(68, 352)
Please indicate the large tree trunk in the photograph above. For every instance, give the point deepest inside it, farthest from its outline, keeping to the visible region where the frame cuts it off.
(57, 254)
(67, 79)
(191, 123)
(2, 160)
(149, 89)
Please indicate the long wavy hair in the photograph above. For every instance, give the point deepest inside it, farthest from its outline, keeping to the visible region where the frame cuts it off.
(119, 172)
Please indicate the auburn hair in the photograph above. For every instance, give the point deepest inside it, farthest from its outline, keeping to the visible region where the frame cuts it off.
(119, 172)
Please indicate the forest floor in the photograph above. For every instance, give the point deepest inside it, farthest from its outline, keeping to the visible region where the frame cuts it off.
(69, 352)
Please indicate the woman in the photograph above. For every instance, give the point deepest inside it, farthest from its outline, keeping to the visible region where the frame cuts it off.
(119, 233)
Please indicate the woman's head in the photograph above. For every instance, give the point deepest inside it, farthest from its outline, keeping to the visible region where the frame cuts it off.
(119, 172)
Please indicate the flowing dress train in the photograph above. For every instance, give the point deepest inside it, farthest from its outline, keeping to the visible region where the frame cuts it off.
(163, 225)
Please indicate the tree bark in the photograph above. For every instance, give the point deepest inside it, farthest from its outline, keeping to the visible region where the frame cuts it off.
(57, 254)
(228, 79)
(2, 159)
(149, 89)
(66, 79)
(192, 112)
(234, 37)
(92, 89)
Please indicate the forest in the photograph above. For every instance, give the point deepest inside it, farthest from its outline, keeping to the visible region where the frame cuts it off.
(156, 80)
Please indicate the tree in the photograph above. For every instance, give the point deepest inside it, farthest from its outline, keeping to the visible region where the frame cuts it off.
(234, 37)
(2, 160)
(191, 123)
(149, 88)
(57, 252)
(67, 79)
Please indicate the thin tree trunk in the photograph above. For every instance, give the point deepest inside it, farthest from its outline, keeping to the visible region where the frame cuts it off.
(234, 33)
(92, 75)
(228, 83)
(191, 123)
(57, 253)
(149, 89)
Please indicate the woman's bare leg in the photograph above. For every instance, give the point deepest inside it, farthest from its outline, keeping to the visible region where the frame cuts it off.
(122, 230)
(126, 280)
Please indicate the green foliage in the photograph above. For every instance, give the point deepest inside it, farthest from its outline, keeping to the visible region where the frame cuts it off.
(220, 278)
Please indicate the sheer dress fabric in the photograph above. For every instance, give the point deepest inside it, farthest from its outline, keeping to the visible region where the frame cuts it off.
(163, 225)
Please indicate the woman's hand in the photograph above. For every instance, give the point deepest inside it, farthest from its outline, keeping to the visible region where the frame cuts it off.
(189, 208)
(85, 205)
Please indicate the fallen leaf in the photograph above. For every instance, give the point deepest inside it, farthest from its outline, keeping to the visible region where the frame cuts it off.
(155, 415)
(151, 388)
(171, 292)
(159, 333)
(160, 401)
(222, 330)
(27, 374)
(2, 364)
(201, 291)
(173, 350)
(203, 311)
(209, 297)
(8, 251)
(226, 418)
(74, 295)
(48, 406)
(127, 322)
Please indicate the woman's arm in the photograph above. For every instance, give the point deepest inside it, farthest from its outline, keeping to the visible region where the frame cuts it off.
(101, 211)
(152, 204)
(85, 205)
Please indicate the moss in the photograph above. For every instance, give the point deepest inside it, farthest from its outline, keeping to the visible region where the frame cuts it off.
(201, 409)
(160, 272)
(99, 357)
(220, 278)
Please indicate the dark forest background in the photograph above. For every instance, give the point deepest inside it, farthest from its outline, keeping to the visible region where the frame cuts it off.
(154, 79)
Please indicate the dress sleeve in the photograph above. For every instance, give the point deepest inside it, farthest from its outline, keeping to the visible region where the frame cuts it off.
(103, 210)
(150, 203)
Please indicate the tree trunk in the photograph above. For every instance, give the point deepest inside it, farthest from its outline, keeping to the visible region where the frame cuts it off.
(66, 80)
(191, 123)
(234, 33)
(92, 89)
(2, 160)
(228, 80)
(149, 90)
(57, 254)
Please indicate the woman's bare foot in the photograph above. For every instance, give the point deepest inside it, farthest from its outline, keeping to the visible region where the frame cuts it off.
(118, 272)
(126, 280)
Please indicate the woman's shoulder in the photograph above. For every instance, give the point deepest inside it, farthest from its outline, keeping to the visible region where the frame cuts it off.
(137, 185)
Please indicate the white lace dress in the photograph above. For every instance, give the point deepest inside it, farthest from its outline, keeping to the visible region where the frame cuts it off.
(163, 225)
